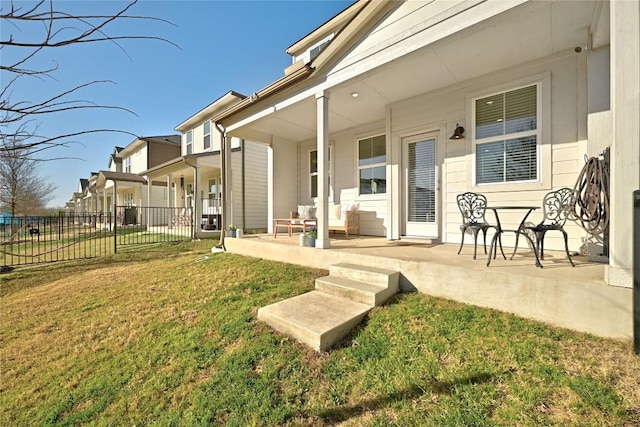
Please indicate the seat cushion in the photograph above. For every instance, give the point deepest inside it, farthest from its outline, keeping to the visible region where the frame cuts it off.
(335, 211)
(336, 222)
(348, 207)
(306, 211)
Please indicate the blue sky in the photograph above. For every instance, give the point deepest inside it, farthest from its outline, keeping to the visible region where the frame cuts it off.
(224, 45)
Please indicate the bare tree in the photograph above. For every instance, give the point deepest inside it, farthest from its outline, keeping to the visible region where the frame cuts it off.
(40, 26)
(22, 190)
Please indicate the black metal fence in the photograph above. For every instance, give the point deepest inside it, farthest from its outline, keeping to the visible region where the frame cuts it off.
(39, 239)
(136, 225)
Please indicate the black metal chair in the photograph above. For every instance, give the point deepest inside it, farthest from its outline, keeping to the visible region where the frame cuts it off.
(556, 206)
(473, 207)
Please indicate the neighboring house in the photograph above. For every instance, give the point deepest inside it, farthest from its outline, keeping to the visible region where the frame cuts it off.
(79, 200)
(366, 111)
(87, 199)
(122, 184)
(196, 178)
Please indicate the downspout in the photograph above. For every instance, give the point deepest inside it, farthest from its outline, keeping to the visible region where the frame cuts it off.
(195, 193)
(244, 210)
(223, 178)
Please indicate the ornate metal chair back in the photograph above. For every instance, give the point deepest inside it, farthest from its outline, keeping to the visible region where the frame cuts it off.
(557, 207)
(472, 207)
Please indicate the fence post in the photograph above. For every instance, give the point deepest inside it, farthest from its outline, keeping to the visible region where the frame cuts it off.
(115, 228)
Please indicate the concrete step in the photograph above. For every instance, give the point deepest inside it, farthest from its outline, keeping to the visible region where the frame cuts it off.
(371, 275)
(316, 318)
(355, 290)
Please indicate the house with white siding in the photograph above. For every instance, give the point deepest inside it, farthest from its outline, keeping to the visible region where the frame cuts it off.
(122, 185)
(78, 200)
(375, 95)
(196, 177)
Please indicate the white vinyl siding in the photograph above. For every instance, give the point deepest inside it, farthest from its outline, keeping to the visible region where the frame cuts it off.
(344, 183)
(506, 132)
(255, 197)
(561, 152)
(255, 187)
(139, 160)
(158, 196)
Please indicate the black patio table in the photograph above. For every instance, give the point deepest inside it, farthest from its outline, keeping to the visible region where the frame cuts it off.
(519, 230)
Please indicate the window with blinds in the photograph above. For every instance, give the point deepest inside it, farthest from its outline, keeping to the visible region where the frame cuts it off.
(506, 135)
(421, 183)
(189, 144)
(372, 159)
(206, 132)
(313, 172)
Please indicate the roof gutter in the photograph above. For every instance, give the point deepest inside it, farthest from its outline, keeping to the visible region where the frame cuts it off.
(274, 87)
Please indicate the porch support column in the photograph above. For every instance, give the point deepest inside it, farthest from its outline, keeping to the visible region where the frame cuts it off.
(196, 202)
(227, 184)
(322, 130)
(625, 155)
(114, 202)
(140, 205)
(149, 219)
(168, 190)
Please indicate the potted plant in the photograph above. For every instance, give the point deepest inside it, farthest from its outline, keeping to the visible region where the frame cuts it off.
(232, 230)
(312, 235)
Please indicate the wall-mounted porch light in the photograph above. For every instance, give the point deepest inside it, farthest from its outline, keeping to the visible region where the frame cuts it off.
(458, 133)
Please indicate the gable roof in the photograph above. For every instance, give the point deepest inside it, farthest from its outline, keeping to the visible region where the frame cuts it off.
(350, 24)
(104, 176)
(144, 140)
(225, 101)
(336, 23)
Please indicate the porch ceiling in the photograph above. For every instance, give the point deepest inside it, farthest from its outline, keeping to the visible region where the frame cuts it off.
(525, 33)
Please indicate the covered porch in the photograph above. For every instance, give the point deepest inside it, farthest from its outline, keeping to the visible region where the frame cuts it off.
(373, 119)
(192, 186)
(571, 297)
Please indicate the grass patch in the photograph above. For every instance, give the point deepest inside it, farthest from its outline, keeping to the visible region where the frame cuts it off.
(165, 336)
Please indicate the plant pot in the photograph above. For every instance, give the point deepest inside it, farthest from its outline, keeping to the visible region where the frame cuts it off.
(232, 233)
(311, 241)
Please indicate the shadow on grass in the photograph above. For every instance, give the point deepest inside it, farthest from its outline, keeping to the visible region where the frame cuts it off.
(345, 412)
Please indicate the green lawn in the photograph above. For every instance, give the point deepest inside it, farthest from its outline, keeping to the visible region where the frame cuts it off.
(167, 335)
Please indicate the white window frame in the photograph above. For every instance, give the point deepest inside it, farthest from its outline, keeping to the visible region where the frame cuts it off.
(129, 200)
(206, 136)
(126, 165)
(371, 166)
(543, 131)
(188, 149)
(307, 56)
(312, 174)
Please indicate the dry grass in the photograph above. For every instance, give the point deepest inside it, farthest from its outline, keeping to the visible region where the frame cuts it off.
(167, 337)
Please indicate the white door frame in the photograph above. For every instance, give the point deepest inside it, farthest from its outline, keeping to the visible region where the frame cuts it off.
(427, 229)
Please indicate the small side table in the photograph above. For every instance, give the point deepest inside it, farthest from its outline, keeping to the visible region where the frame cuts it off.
(518, 231)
